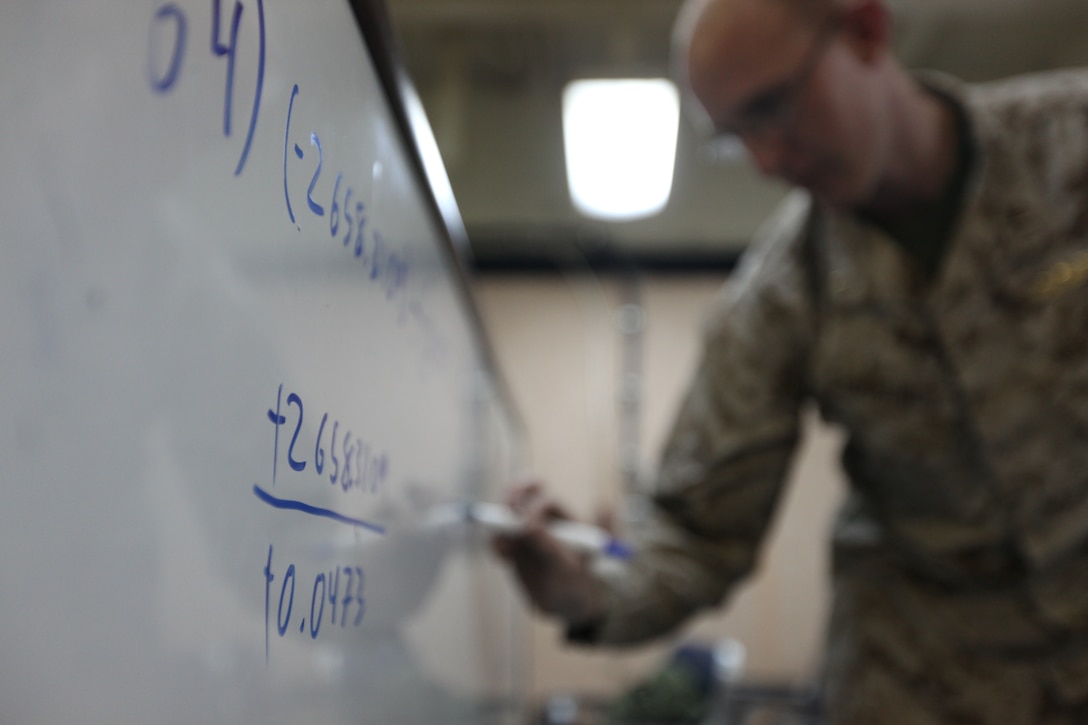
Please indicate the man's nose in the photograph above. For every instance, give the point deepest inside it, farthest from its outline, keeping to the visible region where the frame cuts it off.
(770, 150)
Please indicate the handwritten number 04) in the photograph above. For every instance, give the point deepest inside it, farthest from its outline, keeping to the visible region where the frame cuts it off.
(165, 82)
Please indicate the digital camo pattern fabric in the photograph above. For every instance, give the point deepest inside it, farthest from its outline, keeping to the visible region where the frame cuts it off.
(961, 554)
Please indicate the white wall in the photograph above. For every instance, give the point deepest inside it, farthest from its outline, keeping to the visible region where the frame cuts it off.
(557, 343)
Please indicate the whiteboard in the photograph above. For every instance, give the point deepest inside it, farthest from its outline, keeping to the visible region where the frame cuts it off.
(239, 367)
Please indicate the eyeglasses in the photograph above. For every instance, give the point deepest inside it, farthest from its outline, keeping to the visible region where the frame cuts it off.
(776, 108)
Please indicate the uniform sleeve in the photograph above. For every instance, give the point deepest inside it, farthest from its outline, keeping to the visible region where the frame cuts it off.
(726, 457)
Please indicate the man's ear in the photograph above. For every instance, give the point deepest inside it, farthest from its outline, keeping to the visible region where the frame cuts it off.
(867, 29)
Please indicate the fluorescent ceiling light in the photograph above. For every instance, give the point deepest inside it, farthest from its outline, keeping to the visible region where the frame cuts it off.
(620, 143)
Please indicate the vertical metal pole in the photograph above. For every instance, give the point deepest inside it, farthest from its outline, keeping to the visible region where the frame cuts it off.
(631, 324)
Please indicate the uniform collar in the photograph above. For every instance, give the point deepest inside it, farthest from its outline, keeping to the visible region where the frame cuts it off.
(927, 233)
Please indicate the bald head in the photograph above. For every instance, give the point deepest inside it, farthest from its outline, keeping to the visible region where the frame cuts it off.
(815, 93)
(702, 25)
(693, 11)
(707, 32)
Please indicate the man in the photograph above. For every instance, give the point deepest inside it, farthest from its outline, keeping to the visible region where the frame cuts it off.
(929, 291)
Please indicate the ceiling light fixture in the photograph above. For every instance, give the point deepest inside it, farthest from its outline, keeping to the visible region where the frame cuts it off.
(620, 145)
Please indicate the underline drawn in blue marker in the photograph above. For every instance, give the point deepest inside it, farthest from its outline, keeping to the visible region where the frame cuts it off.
(293, 505)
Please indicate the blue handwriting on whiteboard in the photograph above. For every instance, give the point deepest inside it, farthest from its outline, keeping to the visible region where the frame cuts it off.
(289, 504)
(341, 587)
(164, 81)
(347, 461)
(388, 267)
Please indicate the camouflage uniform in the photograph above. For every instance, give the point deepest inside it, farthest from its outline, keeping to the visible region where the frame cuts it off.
(961, 553)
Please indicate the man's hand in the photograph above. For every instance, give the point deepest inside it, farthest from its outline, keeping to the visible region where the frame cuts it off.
(556, 579)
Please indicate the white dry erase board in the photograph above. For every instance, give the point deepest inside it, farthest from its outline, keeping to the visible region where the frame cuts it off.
(238, 366)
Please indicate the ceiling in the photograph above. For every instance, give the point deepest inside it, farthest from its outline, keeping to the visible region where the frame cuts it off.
(490, 74)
